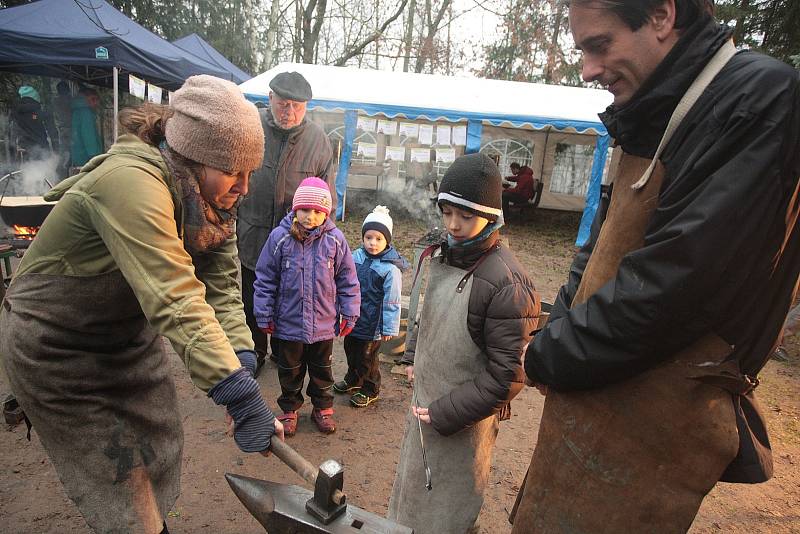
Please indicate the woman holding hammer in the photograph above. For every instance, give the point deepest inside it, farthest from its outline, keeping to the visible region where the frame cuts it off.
(141, 244)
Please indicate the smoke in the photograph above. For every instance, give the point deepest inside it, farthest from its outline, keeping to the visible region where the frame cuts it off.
(33, 177)
(403, 196)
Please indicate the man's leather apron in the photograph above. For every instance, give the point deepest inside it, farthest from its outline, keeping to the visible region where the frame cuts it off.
(638, 456)
(93, 378)
(446, 357)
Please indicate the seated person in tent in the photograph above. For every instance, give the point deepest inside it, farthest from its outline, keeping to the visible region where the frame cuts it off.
(525, 188)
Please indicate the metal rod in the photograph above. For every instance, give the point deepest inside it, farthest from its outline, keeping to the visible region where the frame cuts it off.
(295, 461)
(428, 484)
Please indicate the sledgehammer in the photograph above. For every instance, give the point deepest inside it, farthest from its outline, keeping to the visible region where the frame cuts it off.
(289, 509)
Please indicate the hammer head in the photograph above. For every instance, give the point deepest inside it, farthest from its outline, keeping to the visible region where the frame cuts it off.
(282, 509)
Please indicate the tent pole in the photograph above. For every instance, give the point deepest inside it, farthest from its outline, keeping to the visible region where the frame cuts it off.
(116, 102)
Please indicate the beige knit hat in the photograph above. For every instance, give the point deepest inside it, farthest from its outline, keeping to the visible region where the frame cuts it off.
(215, 125)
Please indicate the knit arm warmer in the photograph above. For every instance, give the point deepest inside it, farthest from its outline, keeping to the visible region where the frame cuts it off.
(254, 422)
(248, 359)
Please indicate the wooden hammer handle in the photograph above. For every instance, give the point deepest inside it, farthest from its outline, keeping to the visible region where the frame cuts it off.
(299, 465)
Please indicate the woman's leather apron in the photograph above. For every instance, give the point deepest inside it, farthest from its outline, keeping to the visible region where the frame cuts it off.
(446, 357)
(93, 378)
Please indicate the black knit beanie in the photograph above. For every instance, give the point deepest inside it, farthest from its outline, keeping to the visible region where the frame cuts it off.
(473, 183)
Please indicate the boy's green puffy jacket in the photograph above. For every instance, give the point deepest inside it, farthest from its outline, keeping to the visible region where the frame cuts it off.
(122, 212)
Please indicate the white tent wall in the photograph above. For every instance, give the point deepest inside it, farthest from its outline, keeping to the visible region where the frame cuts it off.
(544, 126)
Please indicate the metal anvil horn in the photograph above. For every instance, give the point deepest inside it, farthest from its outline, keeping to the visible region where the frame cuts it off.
(289, 509)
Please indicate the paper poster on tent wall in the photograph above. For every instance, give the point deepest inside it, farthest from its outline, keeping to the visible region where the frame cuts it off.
(446, 155)
(387, 127)
(136, 86)
(396, 153)
(420, 155)
(153, 94)
(460, 135)
(409, 129)
(426, 134)
(367, 150)
(366, 124)
(442, 135)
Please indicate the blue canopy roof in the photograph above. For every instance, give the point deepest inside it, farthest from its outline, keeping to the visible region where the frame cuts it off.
(84, 39)
(198, 46)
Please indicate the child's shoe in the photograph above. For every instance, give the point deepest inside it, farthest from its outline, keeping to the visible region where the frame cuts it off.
(362, 400)
(343, 387)
(324, 420)
(289, 421)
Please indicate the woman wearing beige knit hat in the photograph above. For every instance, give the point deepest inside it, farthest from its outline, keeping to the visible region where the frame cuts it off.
(141, 244)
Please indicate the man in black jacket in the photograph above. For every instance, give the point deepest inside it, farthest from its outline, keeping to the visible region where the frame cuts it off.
(653, 347)
(294, 149)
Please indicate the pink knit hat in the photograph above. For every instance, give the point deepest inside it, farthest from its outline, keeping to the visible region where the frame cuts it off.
(312, 194)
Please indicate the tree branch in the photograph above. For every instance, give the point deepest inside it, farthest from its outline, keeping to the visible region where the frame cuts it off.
(358, 48)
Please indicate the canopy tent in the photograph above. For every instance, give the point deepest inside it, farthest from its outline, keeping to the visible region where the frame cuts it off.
(91, 41)
(478, 102)
(194, 44)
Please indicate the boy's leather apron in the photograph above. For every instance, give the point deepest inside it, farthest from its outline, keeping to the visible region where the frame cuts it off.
(446, 357)
(93, 378)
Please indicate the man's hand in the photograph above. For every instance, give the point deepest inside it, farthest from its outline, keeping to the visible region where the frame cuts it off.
(410, 373)
(541, 387)
(386, 338)
(421, 414)
(269, 329)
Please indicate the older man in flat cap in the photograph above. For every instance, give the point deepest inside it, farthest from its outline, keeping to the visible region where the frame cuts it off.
(294, 149)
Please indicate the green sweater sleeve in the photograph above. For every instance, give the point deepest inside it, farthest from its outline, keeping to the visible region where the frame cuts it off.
(218, 271)
(134, 215)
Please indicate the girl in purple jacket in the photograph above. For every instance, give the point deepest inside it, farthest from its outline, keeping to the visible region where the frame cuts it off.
(306, 292)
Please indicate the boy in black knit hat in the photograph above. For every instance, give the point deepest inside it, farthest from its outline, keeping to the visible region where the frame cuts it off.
(464, 354)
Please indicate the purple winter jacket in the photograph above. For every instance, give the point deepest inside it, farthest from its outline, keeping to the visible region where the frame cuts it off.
(303, 287)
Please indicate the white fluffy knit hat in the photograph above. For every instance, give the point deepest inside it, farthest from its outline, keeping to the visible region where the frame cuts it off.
(379, 220)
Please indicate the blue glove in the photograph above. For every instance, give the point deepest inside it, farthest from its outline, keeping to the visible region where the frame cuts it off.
(248, 360)
(254, 422)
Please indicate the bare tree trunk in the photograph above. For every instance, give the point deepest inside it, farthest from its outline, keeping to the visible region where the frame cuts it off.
(377, 39)
(553, 49)
(433, 26)
(251, 22)
(298, 30)
(449, 22)
(409, 34)
(272, 34)
(315, 10)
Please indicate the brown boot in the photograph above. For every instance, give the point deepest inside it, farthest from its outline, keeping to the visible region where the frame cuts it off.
(324, 420)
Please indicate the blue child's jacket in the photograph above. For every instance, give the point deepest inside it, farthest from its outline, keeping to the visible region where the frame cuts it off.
(381, 281)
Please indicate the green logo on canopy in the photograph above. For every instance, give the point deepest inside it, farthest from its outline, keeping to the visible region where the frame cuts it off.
(101, 52)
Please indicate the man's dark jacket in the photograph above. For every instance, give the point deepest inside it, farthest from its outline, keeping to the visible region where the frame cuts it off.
(721, 253)
(290, 156)
(33, 125)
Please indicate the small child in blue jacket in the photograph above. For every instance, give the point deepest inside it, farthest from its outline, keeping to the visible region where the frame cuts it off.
(379, 268)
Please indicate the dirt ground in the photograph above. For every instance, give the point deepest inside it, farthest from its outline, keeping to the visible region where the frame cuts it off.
(367, 440)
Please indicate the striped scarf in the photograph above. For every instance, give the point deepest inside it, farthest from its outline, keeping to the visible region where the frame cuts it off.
(204, 226)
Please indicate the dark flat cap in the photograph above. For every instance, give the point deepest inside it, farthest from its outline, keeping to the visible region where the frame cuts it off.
(291, 86)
